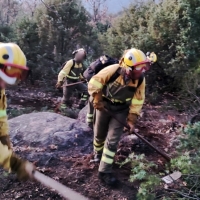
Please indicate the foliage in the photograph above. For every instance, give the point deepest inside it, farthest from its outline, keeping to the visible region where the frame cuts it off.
(141, 170)
(6, 33)
(28, 39)
(170, 28)
(63, 26)
(187, 162)
(51, 33)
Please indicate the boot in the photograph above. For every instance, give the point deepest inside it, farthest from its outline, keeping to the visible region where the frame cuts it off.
(108, 178)
(81, 106)
(96, 158)
(69, 103)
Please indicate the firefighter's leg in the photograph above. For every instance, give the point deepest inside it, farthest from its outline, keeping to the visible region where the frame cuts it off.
(84, 97)
(67, 93)
(100, 132)
(90, 113)
(114, 133)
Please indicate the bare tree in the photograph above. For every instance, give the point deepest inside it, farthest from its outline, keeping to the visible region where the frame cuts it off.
(9, 10)
(29, 7)
(99, 9)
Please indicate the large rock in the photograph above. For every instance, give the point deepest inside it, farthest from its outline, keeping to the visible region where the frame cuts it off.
(46, 133)
(82, 114)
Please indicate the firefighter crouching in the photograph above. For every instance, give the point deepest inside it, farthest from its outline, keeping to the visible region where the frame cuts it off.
(124, 98)
(95, 67)
(72, 73)
(12, 69)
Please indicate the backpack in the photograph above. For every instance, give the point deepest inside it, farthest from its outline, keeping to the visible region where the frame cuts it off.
(98, 65)
(101, 63)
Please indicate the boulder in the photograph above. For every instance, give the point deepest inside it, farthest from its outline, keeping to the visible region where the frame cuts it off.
(46, 133)
(82, 114)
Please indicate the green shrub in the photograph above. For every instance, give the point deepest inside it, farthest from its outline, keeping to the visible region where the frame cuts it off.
(187, 162)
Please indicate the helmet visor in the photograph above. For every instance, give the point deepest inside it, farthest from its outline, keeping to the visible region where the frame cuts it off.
(142, 66)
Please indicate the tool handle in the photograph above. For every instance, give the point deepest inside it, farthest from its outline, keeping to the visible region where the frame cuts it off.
(66, 192)
(71, 84)
(163, 154)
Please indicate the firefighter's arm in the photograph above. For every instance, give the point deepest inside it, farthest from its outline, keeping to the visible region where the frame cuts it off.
(81, 74)
(136, 105)
(8, 160)
(97, 82)
(65, 71)
(5, 147)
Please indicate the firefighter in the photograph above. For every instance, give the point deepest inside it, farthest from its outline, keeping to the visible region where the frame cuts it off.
(72, 72)
(12, 69)
(93, 69)
(124, 97)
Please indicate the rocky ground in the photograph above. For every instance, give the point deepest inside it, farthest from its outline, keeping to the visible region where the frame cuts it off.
(61, 148)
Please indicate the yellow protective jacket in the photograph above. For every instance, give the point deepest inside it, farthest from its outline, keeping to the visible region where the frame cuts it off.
(118, 91)
(71, 70)
(5, 152)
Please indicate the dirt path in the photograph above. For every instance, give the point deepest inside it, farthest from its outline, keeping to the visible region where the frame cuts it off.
(71, 167)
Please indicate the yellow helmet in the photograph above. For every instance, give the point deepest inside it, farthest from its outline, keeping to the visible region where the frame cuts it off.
(12, 63)
(152, 57)
(134, 56)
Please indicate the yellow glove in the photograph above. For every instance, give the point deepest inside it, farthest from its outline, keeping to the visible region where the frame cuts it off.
(59, 84)
(98, 101)
(22, 168)
(82, 78)
(131, 120)
(5, 140)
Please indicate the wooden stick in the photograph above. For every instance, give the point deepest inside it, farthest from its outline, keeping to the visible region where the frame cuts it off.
(163, 154)
(66, 192)
(71, 84)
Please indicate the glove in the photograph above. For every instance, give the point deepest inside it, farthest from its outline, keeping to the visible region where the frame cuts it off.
(5, 140)
(22, 168)
(98, 101)
(131, 120)
(82, 79)
(59, 84)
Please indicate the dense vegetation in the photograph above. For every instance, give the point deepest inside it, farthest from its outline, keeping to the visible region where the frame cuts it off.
(48, 31)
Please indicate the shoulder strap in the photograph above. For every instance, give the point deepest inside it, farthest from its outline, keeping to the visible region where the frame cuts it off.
(114, 76)
(140, 80)
(73, 64)
(66, 62)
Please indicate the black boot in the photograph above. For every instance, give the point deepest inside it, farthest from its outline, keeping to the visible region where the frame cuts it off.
(96, 158)
(108, 178)
(81, 106)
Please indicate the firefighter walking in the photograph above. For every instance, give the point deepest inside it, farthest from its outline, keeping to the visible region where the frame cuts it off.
(124, 97)
(72, 73)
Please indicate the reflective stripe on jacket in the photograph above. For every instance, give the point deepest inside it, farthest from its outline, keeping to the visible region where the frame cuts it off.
(72, 73)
